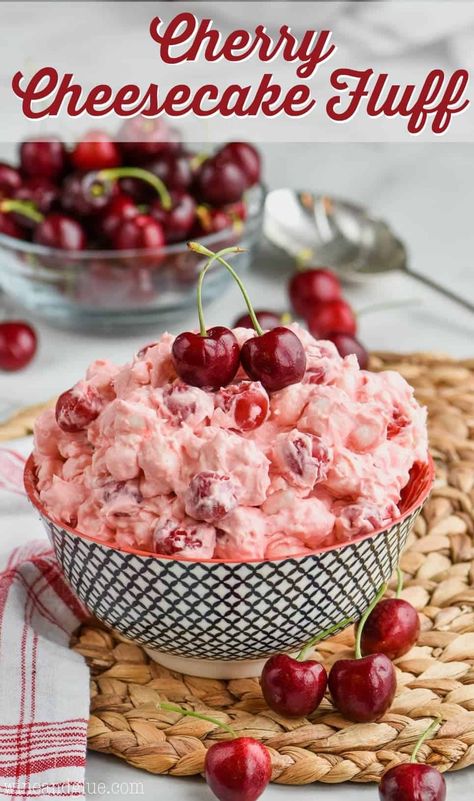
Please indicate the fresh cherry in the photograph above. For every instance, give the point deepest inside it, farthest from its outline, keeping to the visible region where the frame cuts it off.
(296, 687)
(246, 157)
(178, 221)
(347, 345)
(220, 181)
(276, 358)
(77, 407)
(206, 360)
(333, 316)
(174, 170)
(392, 628)
(247, 402)
(267, 320)
(45, 158)
(10, 180)
(86, 194)
(61, 232)
(211, 221)
(139, 232)
(96, 151)
(408, 782)
(412, 781)
(9, 227)
(363, 688)
(42, 194)
(120, 208)
(238, 770)
(18, 345)
(309, 288)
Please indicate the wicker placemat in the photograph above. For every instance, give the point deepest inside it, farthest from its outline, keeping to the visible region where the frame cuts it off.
(435, 679)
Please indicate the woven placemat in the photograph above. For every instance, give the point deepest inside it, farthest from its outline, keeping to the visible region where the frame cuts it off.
(435, 679)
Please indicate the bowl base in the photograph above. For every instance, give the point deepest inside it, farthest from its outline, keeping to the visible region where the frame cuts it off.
(209, 668)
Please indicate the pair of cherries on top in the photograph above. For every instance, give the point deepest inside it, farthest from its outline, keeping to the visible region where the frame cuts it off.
(363, 688)
(212, 357)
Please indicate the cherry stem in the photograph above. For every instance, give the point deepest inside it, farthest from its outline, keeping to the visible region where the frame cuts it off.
(22, 207)
(214, 256)
(363, 620)
(395, 304)
(321, 636)
(399, 583)
(114, 173)
(196, 247)
(424, 737)
(190, 714)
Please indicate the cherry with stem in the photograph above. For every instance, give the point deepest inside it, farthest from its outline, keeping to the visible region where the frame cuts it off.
(208, 358)
(275, 358)
(363, 688)
(393, 627)
(413, 781)
(295, 687)
(236, 770)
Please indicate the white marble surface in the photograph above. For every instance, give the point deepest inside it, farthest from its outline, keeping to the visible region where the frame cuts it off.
(427, 192)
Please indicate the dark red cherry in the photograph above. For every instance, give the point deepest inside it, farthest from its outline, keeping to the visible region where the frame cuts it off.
(139, 232)
(143, 139)
(85, 194)
(10, 180)
(333, 316)
(18, 345)
(178, 221)
(363, 689)
(206, 361)
(174, 170)
(238, 211)
(77, 407)
(120, 208)
(393, 628)
(45, 158)
(412, 782)
(267, 320)
(238, 770)
(41, 193)
(61, 232)
(293, 688)
(96, 151)
(220, 181)
(276, 358)
(246, 157)
(9, 227)
(347, 345)
(309, 288)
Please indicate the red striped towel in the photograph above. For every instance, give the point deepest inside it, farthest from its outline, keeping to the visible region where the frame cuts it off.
(44, 686)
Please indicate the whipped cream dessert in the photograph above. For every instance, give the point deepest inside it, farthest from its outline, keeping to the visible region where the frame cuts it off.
(236, 473)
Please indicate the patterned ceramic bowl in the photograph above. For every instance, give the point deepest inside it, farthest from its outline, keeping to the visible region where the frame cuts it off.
(222, 619)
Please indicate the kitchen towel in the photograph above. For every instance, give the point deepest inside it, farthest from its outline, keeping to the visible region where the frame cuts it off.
(44, 686)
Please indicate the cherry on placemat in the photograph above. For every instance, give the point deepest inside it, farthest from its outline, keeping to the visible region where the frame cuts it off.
(309, 288)
(413, 781)
(296, 687)
(209, 359)
(238, 770)
(276, 358)
(18, 345)
(363, 688)
(392, 628)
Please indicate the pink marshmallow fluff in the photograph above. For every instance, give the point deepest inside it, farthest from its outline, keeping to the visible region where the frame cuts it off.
(233, 474)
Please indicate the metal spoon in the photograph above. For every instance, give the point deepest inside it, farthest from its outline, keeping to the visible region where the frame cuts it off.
(339, 234)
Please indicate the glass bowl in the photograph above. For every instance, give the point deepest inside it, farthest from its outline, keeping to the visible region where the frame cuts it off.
(118, 290)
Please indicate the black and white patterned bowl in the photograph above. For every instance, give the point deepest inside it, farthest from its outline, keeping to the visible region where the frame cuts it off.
(212, 617)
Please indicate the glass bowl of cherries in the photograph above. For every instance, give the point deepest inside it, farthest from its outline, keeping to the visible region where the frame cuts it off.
(93, 236)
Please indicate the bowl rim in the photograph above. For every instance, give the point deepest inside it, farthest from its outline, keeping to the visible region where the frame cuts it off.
(29, 479)
(77, 258)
